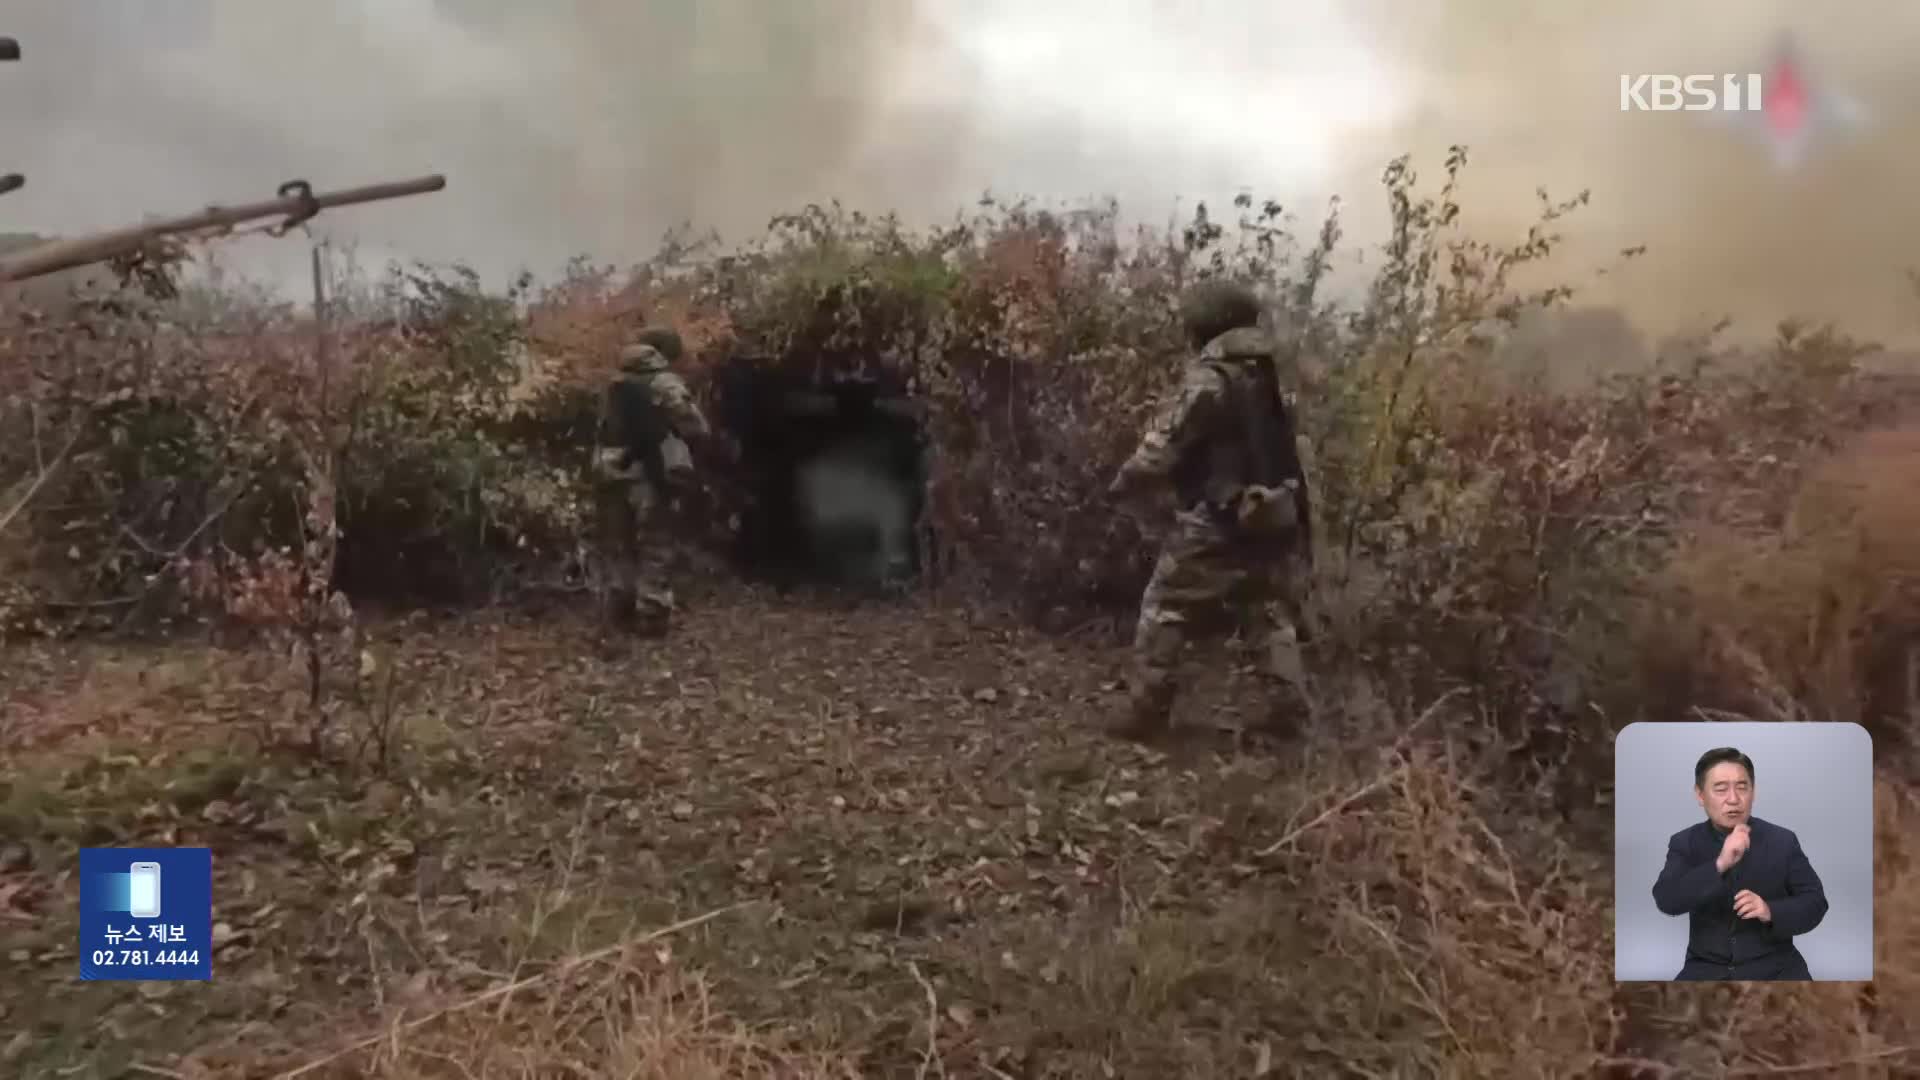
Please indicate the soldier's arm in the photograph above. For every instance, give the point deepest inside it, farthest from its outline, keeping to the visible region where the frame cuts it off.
(1180, 421)
(682, 411)
(1302, 454)
(606, 433)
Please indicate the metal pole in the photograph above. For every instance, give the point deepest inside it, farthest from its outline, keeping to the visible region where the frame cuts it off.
(321, 358)
(64, 254)
(10, 50)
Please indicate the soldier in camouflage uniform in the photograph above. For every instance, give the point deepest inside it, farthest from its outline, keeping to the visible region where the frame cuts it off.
(1240, 542)
(647, 418)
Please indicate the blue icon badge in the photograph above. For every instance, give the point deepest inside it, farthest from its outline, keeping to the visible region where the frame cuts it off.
(146, 913)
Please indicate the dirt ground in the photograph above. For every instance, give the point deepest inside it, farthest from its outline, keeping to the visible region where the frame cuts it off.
(915, 810)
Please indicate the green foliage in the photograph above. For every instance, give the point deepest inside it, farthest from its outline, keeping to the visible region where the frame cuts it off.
(838, 288)
(188, 436)
(446, 486)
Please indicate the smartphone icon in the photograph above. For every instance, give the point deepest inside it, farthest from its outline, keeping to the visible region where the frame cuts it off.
(143, 890)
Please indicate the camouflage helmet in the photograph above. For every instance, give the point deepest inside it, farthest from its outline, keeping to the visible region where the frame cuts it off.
(661, 339)
(1214, 307)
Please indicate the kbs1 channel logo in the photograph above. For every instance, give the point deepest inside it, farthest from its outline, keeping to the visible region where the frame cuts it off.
(1692, 93)
(146, 914)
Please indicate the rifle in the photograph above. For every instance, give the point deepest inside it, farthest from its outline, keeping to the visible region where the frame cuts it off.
(296, 200)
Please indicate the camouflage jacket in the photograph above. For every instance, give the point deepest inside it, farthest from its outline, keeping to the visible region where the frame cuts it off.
(644, 374)
(1196, 439)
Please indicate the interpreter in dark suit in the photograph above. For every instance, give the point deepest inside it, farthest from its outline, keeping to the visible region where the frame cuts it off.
(1744, 884)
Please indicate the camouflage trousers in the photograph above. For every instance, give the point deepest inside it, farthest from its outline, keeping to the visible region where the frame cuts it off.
(636, 559)
(1207, 586)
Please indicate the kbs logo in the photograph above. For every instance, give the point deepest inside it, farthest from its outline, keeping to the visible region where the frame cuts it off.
(1691, 93)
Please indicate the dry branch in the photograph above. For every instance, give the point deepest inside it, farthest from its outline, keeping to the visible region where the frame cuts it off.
(1386, 777)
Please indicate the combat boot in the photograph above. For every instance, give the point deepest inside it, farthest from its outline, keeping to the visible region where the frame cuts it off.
(1149, 716)
(1289, 708)
(654, 613)
(1283, 675)
(620, 608)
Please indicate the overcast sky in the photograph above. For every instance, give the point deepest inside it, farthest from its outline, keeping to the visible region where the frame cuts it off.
(590, 127)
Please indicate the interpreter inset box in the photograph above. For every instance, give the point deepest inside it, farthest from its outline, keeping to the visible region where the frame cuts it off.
(1743, 852)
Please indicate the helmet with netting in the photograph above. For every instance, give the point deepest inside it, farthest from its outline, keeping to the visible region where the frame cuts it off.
(1214, 307)
(663, 339)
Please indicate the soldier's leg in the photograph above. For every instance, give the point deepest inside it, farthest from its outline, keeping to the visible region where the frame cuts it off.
(653, 566)
(1159, 639)
(654, 599)
(619, 533)
(1183, 601)
(1283, 663)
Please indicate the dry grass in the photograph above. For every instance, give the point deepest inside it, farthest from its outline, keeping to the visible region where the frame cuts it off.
(1496, 944)
(623, 1010)
(936, 877)
(649, 1034)
(623, 1023)
(1818, 620)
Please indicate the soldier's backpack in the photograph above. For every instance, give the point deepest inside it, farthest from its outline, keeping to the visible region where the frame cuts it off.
(642, 427)
(1273, 457)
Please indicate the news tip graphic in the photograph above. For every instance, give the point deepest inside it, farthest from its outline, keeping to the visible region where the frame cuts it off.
(146, 914)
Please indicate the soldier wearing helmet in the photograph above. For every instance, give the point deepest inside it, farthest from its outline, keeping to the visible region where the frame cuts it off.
(647, 418)
(1223, 441)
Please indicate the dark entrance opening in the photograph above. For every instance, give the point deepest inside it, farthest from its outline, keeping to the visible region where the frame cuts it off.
(834, 472)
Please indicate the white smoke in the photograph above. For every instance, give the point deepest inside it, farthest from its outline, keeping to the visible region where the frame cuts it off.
(856, 514)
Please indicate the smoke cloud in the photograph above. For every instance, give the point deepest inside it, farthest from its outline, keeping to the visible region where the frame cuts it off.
(592, 126)
(1533, 90)
(587, 127)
